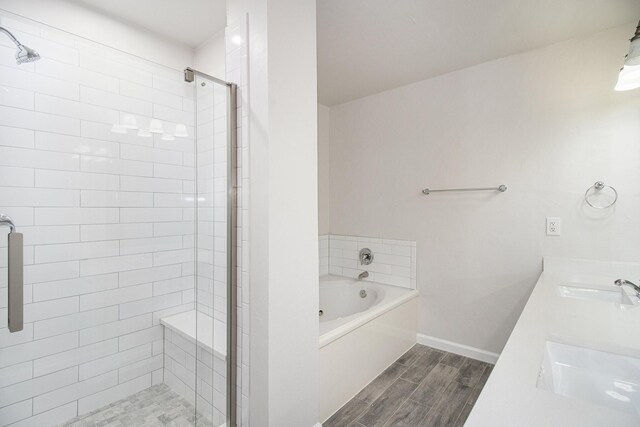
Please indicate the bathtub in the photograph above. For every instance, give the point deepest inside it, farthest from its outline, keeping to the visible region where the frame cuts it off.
(364, 328)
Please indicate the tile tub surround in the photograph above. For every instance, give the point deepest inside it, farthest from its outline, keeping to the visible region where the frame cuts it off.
(511, 396)
(323, 246)
(394, 261)
(107, 222)
(424, 387)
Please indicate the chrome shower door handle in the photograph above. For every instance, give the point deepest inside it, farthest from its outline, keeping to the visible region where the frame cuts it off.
(15, 275)
(16, 282)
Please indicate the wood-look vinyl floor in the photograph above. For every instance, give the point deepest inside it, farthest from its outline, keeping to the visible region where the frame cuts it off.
(425, 387)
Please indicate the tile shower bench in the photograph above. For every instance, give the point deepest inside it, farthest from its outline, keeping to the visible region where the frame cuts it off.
(195, 363)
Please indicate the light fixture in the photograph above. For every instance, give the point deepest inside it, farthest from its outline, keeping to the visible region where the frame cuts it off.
(629, 77)
(168, 137)
(116, 128)
(181, 131)
(156, 126)
(129, 122)
(237, 40)
(144, 133)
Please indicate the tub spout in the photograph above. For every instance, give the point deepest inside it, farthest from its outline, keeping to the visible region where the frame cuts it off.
(363, 275)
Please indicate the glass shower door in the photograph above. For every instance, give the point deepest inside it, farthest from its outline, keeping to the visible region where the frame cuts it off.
(215, 241)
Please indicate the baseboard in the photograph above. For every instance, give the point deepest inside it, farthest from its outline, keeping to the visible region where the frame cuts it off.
(318, 425)
(461, 349)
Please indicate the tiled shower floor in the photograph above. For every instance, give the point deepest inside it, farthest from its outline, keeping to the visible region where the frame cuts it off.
(155, 406)
(423, 388)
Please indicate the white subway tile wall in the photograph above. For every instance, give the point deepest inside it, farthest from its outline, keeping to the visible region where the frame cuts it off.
(196, 374)
(394, 261)
(211, 184)
(323, 243)
(108, 221)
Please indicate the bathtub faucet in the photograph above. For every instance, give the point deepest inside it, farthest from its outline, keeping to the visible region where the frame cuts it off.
(363, 275)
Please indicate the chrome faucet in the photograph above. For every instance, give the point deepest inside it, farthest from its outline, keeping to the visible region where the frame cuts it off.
(363, 275)
(621, 282)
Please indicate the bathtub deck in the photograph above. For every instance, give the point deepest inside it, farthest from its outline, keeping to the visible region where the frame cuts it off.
(423, 388)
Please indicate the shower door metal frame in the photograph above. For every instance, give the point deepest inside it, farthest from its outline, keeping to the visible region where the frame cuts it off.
(232, 238)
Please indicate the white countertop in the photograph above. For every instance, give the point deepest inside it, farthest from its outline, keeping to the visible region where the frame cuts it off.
(511, 398)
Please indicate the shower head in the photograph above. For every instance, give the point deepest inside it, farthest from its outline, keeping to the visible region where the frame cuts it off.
(24, 54)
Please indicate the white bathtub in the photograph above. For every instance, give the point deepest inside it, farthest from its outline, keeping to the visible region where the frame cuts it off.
(360, 336)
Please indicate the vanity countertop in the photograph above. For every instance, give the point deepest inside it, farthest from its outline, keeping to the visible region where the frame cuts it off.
(511, 397)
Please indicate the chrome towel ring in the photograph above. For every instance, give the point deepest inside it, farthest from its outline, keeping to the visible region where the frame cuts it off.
(599, 186)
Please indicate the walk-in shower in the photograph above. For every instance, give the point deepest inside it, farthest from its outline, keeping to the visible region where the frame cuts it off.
(121, 176)
(24, 53)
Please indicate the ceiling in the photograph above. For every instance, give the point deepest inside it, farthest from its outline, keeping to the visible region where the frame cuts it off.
(189, 22)
(368, 46)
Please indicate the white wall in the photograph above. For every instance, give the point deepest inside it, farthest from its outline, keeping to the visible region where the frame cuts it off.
(283, 219)
(209, 57)
(107, 221)
(292, 211)
(324, 182)
(84, 22)
(546, 123)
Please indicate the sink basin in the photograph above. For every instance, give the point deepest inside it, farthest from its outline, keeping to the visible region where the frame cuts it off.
(612, 294)
(603, 378)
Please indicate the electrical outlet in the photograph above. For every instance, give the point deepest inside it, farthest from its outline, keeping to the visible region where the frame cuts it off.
(554, 226)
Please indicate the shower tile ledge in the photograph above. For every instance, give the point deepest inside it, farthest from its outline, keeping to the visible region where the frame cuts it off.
(198, 327)
(511, 396)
